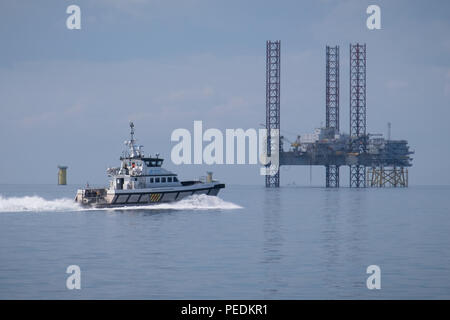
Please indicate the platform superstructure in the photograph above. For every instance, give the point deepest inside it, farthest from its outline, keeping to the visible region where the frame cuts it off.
(373, 161)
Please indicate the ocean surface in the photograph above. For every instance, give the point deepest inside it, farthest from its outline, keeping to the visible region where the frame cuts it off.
(248, 243)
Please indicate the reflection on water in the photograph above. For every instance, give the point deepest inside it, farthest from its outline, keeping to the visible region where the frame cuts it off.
(343, 236)
(331, 236)
(273, 242)
(357, 226)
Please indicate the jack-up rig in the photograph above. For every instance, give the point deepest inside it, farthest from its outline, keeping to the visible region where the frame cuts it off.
(373, 160)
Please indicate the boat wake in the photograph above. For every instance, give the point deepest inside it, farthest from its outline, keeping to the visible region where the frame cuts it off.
(39, 204)
(36, 204)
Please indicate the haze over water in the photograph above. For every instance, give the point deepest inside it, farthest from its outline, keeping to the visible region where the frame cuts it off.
(293, 243)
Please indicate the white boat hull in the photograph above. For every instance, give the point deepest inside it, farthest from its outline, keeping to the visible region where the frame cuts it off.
(101, 198)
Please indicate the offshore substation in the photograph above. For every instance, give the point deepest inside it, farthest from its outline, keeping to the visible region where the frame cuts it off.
(373, 161)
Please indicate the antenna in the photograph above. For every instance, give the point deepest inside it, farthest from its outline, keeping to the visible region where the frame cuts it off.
(134, 149)
(132, 131)
(389, 130)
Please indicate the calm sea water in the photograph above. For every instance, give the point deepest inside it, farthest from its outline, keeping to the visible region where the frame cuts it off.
(290, 243)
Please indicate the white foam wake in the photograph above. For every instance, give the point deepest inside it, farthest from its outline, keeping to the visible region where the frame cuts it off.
(194, 202)
(38, 204)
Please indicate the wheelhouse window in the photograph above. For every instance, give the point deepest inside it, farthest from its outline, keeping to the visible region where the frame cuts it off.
(169, 179)
(153, 162)
(157, 180)
(175, 179)
(151, 180)
(163, 179)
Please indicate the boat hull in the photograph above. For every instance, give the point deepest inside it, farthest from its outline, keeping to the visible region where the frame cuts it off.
(146, 196)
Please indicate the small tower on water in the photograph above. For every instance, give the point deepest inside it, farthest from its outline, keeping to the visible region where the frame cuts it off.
(62, 175)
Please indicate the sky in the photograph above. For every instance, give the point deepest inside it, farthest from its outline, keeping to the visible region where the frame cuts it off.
(66, 96)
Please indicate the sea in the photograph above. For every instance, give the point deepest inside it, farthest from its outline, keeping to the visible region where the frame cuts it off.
(248, 243)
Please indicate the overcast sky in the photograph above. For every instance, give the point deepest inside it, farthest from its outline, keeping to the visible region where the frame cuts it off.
(66, 96)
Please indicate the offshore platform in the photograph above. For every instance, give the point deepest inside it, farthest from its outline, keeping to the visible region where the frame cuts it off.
(373, 161)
